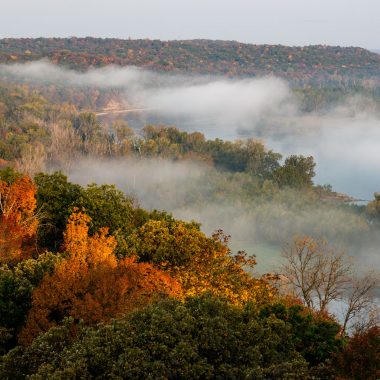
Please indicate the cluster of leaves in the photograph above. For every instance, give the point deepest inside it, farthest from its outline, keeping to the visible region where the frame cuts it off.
(16, 287)
(91, 284)
(204, 337)
(200, 56)
(200, 264)
(361, 356)
(18, 224)
(104, 204)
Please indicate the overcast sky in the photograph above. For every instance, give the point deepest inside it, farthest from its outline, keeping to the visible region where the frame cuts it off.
(288, 22)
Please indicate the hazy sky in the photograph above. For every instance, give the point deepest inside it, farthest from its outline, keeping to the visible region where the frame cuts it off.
(288, 22)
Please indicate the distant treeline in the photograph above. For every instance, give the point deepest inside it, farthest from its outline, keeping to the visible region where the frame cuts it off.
(36, 133)
(199, 56)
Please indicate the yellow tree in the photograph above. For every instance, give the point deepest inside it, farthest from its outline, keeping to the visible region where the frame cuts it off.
(91, 284)
(199, 263)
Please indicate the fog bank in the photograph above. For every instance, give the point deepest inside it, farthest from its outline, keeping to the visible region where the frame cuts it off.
(345, 140)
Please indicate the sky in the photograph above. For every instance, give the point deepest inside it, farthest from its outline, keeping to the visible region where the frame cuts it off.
(286, 22)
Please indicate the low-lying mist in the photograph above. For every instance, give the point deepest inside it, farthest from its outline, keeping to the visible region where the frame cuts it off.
(217, 200)
(344, 140)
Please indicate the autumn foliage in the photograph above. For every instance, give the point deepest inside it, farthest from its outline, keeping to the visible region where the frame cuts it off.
(18, 222)
(91, 284)
(360, 358)
(200, 264)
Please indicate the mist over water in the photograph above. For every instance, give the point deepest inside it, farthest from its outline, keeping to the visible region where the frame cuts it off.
(346, 150)
(190, 192)
(345, 141)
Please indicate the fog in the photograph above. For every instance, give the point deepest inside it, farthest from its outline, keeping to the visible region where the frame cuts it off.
(346, 150)
(345, 140)
(192, 192)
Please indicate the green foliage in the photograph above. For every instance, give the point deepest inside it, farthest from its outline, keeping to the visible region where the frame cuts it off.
(314, 336)
(9, 175)
(248, 156)
(55, 199)
(45, 349)
(298, 172)
(172, 243)
(373, 208)
(107, 207)
(201, 338)
(16, 286)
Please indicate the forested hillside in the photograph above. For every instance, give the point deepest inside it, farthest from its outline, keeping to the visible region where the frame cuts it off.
(199, 56)
(138, 280)
(39, 135)
(93, 286)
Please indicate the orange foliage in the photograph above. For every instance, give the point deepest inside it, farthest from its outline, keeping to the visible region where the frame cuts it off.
(91, 285)
(18, 222)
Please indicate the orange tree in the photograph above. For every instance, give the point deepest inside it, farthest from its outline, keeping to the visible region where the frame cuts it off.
(91, 284)
(18, 221)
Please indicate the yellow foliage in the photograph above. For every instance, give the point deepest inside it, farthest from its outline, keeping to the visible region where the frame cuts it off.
(200, 264)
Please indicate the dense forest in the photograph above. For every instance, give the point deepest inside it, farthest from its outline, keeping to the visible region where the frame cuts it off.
(184, 305)
(103, 281)
(198, 56)
(321, 76)
(38, 135)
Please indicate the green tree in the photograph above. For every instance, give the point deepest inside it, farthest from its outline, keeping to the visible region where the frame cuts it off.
(55, 198)
(373, 208)
(107, 207)
(16, 287)
(297, 172)
(204, 337)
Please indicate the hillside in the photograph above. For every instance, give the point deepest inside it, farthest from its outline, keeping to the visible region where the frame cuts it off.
(198, 56)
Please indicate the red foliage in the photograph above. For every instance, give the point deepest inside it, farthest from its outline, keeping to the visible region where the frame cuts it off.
(361, 357)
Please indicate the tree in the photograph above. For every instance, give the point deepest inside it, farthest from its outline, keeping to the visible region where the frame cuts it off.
(360, 358)
(18, 220)
(373, 208)
(297, 171)
(91, 284)
(16, 287)
(32, 160)
(315, 335)
(199, 263)
(56, 197)
(358, 299)
(106, 206)
(319, 275)
(201, 338)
